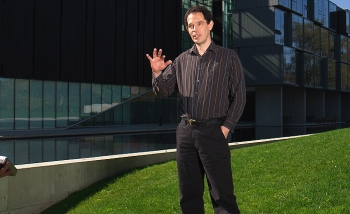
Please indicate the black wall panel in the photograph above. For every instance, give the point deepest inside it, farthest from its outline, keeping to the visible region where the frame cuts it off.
(131, 57)
(72, 49)
(47, 45)
(149, 17)
(89, 52)
(104, 53)
(120, 56)
(87, 40)
(121, 13)
(18, 41)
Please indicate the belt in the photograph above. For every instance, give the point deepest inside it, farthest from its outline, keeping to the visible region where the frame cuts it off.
(193, 122)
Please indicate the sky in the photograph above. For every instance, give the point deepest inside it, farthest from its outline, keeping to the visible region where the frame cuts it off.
(344, 4)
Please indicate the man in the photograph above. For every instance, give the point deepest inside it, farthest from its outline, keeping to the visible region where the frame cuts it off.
(5, 171)
(211, 83)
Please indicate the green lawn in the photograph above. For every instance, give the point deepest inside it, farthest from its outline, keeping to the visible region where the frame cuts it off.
(303, 175)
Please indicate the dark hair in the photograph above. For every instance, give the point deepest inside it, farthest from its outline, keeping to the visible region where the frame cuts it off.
(199, 9)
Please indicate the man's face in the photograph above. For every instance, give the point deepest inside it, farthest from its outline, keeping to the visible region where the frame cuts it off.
(198, 28)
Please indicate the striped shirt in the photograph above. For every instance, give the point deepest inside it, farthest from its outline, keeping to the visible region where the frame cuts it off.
(211, 85)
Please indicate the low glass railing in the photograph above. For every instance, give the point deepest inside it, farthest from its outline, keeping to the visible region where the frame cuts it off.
(144, 108)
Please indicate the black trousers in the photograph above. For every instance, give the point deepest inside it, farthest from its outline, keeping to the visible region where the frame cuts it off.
(203, 150)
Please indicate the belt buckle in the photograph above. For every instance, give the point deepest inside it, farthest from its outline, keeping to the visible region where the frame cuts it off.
(191, 122)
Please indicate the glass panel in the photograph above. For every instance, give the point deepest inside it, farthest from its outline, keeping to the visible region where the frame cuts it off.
(35, 151)
(36, 101)
(333, 16)
(309, 70)
(344, 77)
(49, 104)
(331, 46)
(116, 99)
(325, 12)
(21, 152)
(126, 94)
(324, 42)
(297, 6)
(62, 149)
(306, 11)
(297, 31)
(331, 74)
(107, 103)
(62, 104)
(309, 41)
(318, 70)
(21, 104)
(74, 102)
(348, 78)
(285, 3)
(49, 148)
(85, 100)
(317, 40)
(96, 94)
(279, 27)
(289, 65)
(343, 48)
(7, 96)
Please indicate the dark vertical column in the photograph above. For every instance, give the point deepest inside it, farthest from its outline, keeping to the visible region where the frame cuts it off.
(89, 40)
(148, 38)
(120, 42)
(47, 40)
(158, 24)
(73, 40)
(18, 31)
(104, 42)
(217, 30)
(1, 35)
(140, 41)
(131, 43)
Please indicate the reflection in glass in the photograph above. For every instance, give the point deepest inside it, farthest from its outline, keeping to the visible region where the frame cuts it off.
(318, 72)
(74, 104)
(49, 104)
(85, 100)
(333, 16)
(324, 42)
(7, 108)
(344, 77)
(331, 74)
(21, 104)
(331, 45)
(285, 3)
(289, 65)
(279, 27)
(36, 107)
(309, 70)
(317, 40)
(309, 41)
(343, 48)
(62, 104)
(297, 31)
(297, 6)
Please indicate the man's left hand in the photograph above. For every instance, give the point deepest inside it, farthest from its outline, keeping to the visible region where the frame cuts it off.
(225, 131)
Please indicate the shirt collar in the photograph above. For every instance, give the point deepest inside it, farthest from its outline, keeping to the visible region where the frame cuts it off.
(212, 47)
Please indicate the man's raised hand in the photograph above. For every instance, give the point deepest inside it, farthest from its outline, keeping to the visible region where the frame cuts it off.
(157, 62)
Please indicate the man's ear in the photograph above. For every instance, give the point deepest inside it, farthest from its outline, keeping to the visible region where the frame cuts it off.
(211, 25)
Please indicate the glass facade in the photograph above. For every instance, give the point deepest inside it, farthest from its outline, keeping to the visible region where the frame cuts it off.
(298, 6)
(289, 65)
(309, 70)
(279, 26)
(309, 38)
(331, 74)
(344, 48)
(344, 77)
(297, 32)
(36, 104)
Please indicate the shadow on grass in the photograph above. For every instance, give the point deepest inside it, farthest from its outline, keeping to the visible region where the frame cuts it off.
(77, 197)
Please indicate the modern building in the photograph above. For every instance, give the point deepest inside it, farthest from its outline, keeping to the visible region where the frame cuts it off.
(64, 61)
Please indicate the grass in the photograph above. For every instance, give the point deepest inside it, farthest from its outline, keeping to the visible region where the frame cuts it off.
(303, 175)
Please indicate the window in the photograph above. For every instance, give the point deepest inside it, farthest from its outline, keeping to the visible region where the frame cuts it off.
(324, 42)
(331, 38)
(279, 27)
(344, 77)
(289, 65)
(285, 3)
(317, 40)
(332, 16)
(309, 36)
(297, 31)
(331, 74)
(318, 72)
(309, 70)
(297, 6)
(343, 48)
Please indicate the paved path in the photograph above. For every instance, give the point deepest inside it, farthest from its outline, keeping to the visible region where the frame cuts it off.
(45, 133)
